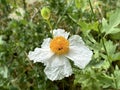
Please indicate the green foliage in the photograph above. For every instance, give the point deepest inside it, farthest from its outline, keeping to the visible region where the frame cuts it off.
(114, 21)
(96, 21)
(117, 76)
(92, 79)
(81, 4)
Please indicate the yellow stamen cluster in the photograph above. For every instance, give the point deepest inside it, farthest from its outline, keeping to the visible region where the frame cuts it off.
(59, 45)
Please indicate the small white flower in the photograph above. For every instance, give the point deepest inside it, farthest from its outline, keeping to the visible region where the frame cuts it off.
(18, 14)
(55, 54)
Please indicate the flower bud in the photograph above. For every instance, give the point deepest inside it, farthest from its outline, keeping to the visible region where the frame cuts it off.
(45, 12)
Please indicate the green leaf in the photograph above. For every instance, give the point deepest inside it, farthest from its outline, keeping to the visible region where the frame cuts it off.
(112, 30)
(115, 36)
(88, 26)
(115, 18)
(117, 78)
(81, 4)
(105, 65)
(111, 50)
(110, 47)
(104, 24)
(78, 3)
(116, 56)
(105, 80)
(114, 21)
(87, 78)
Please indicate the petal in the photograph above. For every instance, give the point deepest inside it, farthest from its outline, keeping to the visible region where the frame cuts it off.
(81, 55)
(46, 43)
(60, 32)
(58, 69)
(76, 40)
(40, 55)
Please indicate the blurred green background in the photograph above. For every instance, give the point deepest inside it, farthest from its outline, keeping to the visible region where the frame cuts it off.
(96, 21)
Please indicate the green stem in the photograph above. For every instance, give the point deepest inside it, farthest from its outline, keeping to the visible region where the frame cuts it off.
(48, 22)
(111, 67)
(91, 8)
(50, 26)
(103, 43)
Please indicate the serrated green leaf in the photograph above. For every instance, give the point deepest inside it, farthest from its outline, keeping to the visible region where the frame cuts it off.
(105, 80)
(117, 78)
(112, 30)
(88, 79)
(116, 56)
(88, 26)
(105, 65)
(115, 18)
(110, 47)
(114, 21)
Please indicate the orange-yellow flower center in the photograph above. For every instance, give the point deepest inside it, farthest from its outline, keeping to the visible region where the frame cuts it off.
(59, 45)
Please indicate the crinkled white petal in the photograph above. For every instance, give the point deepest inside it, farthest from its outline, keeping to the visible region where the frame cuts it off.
(81, 55)
(46, 43)
(76, 40)
(55, 60)
(60, 32)
(58, 68)
(40, 55)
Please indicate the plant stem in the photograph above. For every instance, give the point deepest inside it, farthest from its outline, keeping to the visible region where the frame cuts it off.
(111, 67)
(50, 26)
(91, 9)
(48, 22)
(103, 43)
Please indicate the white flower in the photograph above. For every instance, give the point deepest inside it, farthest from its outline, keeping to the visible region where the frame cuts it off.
(18, 14)
(55, 54)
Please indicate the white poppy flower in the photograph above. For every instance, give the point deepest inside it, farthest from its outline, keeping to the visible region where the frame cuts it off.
(18, 14)
(55, 54)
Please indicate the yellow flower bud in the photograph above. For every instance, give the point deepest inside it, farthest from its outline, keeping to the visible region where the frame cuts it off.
(45, 12)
